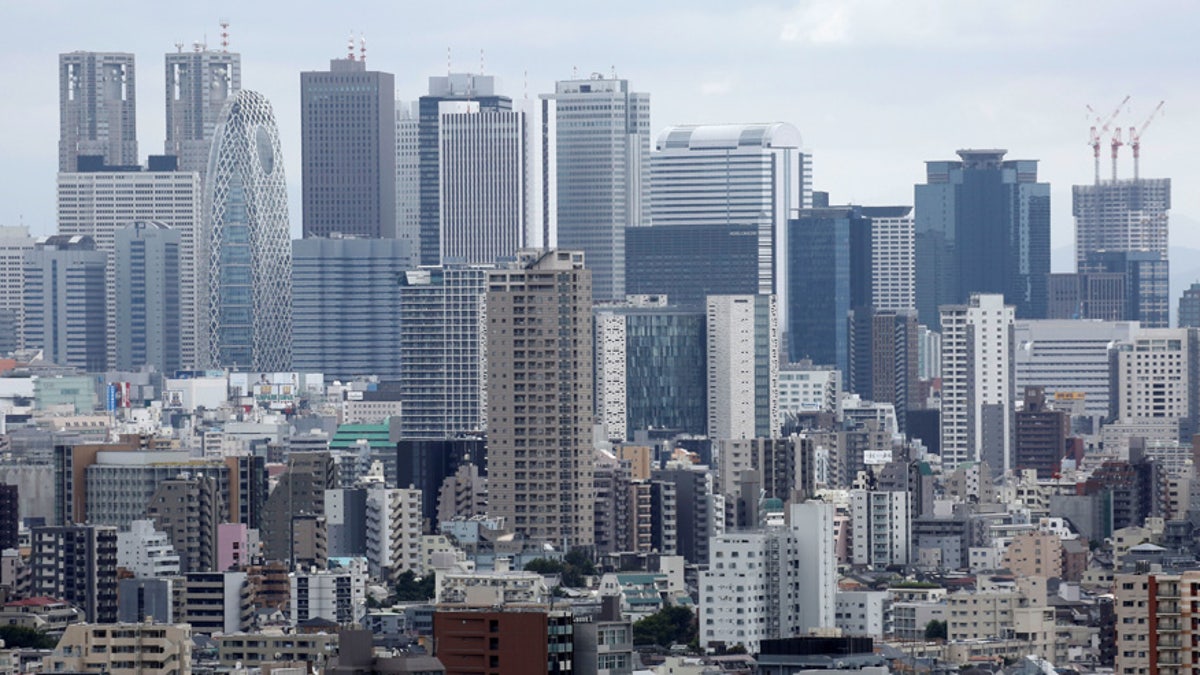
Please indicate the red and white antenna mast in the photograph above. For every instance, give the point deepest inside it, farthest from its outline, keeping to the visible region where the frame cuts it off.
(1135, 136)
(224, 35)
(350, 47)
(362, 49)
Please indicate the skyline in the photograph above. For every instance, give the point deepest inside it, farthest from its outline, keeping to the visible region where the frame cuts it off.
(870, 132)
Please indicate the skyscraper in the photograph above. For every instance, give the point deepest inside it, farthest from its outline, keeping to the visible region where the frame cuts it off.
(198, 84)
(829, 274)
(441, 348)
(883, 359)
(539, 397)
(743, 367)
(348, 144)
(14, 242)
(1189, 307)
(64, 309)
(1122, 215)
(1147, 283)
(603, 152)
(345, 303)
(245, 254)
(688, 263)
(893, 260)
(148, 321)
(97, 108)
(734, 174)
(977, 382)
(99, 203)
(454, 87)
(495, 174)
(982, 226)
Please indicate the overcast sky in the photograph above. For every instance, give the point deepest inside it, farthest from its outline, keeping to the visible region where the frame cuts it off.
(875, 87)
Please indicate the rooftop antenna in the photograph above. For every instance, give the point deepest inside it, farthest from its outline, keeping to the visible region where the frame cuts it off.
(350, 47)
(481, 70)
(574, 72)
(362, 49)
(179, 47)
(224, 35)
(449, 67)
(614, 72)
(525, 84)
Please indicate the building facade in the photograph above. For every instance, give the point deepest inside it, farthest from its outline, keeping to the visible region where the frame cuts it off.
(198, 84)
(347, 150)
(688, 263)
(78, 564)
(603, 154)
(245, 254)
(743, 366)
(97, 108)
(149, 323)
(539, 397)
(64, 312)
(982, 226)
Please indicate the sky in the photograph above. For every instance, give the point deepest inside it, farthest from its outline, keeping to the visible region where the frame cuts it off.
(876, 87)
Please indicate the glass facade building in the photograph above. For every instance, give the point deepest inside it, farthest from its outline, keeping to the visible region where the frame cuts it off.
(687, 263)
(1147, 283)
(245, 251)
(829, 261)
(148, 297)
(648, 370)
(982, 226)
(64, 310)
(345, 300)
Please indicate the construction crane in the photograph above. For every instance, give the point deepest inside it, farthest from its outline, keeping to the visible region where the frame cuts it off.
(1116, 144)
(1101, 128)
(1135, 136)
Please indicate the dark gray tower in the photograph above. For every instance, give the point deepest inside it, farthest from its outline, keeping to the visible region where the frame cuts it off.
(64, 302)
(348, 150)
(97, 108)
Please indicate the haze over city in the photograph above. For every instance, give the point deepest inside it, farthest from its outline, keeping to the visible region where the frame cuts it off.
(876, 88)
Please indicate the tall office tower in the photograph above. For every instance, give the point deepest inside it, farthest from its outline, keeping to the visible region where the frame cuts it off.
(1147, 283)
(99, 203)
(1099, 296)
(982, 226)
(1189, 305)
(198, 84)
(495, 175)
(1069, 360)
(245, 253)
(345, 301)
(97, 108)
(148, 287)
(63, 302)
(977, 382)
(539, 397)
(1040, 435)
(348, 144)
(189, 508)
(454, 87)
(442, 349)
(829, 274)
(883, 359)
(1121, 215)
(408, 178)
(78, 564)
(743, 367)
(603, 152)
(647, 368)
(14, 242)
(881, 528)
(688, 263)
(893, 259)
(734, 174)
(296, 506)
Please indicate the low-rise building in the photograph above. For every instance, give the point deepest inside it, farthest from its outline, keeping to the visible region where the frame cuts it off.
(274, 645)
(864, 613)
(123, 649)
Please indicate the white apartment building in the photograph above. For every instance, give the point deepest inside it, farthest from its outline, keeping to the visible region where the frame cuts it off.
(929, 353)
(1003, 611)
(893, 263)
(338, 594)
(1069, 358)
(146, 552)
(864, 613)
(770, 583)
(880, 528)
(1153, 375)
(99, 203)
(743, 366)
(808, 388)
(977, 382)
(394, 522)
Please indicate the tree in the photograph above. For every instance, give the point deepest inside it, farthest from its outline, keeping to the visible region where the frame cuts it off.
(573, 570)
(668, 626)
(25, 638)
(411, 588)
(935, 630)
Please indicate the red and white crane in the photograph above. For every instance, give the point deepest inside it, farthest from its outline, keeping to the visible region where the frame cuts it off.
(1135, 136)
(1099, 129)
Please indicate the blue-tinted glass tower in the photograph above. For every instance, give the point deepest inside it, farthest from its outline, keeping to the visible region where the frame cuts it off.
(982, 226)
